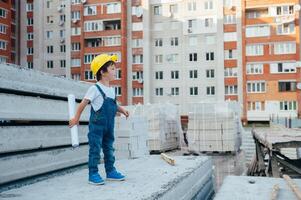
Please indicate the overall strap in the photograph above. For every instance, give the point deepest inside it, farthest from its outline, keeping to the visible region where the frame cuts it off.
(101, 92)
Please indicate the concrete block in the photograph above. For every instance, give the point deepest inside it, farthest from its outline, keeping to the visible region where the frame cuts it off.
(20, 138)
(30, 164)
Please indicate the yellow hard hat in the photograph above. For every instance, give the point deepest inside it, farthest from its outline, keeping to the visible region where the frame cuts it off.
(100, 60)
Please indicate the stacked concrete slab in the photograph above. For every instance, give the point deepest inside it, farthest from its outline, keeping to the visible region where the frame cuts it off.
(259, 188)
(35, 138)
(130, 137)
(149, 177)
(213, 127)
(164, 127)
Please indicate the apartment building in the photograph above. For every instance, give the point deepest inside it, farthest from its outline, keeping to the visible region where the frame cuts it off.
(271, 54)
(9, 31)
(184, 50)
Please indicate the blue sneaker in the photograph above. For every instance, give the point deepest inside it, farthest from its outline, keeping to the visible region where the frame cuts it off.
(115, 176)
(95, 179)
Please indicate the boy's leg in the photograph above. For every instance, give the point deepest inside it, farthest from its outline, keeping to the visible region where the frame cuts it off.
(108, 150)
(95, 143)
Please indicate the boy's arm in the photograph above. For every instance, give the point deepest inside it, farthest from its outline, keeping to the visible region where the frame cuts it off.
(79, 111)
(123, 111)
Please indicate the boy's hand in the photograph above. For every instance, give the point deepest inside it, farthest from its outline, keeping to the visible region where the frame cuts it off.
(73, 122)
(125, 112)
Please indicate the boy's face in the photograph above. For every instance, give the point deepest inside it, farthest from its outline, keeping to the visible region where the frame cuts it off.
(111, 73)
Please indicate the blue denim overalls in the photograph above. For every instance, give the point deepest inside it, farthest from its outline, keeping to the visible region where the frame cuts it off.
(101, 134)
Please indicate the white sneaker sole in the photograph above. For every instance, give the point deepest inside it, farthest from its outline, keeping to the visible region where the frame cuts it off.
(114, 179)
(92, 183)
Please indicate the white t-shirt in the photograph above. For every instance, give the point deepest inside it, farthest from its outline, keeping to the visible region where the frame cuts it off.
(95, 97)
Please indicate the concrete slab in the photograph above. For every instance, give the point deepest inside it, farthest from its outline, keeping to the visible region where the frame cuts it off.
(238, 187)
(147, 178)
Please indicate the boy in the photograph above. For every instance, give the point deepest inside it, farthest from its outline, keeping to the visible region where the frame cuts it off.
(101, 123)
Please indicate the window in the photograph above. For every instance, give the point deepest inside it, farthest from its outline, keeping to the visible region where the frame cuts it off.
(193, 91)
(29, 7)
(254, 50)
(191, 6)
(29, 21)
(76, 77)
(229, 19)
(93, 26)
(49, 49)
(258, 31)
(210, 39)
(175, 91)
(230, 54)
(209, 56)
(285, 10)
(286, 67)
(285, 48)
(137, 59)
(113, 8)
(159, 91)
(75, 31)
(191, 25)
(89, 75)
(288, 105)
(62, 18)
(256, 86)
(157, 10)
(138, 75)
(75, 15)
(287, 86)
(256, 106)
(3, 13)
(49, 20)
(137, 26)
(3, 28)
(158, 59)
(3, 45)
(174, 74)
(193, 74)
(173, 8)
(88, 58)
(229, 3)
(76, 2)
(30, 65)
(48, 3)
(63, 48)
(159, 75)
(118, 91)
(63, 63)
(29, 36)
(137, 92)
(208, 22)
(172, 58)
(230, 72)
(230, 36)
(75, 62)
(210, 90)
(3, 59)
(174, 41)
(75, 46)
(193, 57)
(158, 42)
(137, 43)
(90, 10)
(230, 89)
(286, 28)
(256, 68)
(50, 64)
(29, 50)
(193, 41)
(208, 5)
(210, 73)
(49, 34)
(62, 33)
